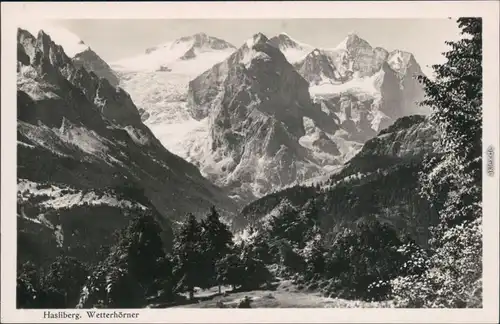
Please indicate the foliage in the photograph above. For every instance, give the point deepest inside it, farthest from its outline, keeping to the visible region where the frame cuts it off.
(453, 183)
(452, 279)
(28, 286)
(314, 256)
(66, 276)
(256, 272)
(134, 268)
(59, 287)
(230, 270)
(363, 260)
(142, 244)
(217, 241)
(291, 225)
(188, 254)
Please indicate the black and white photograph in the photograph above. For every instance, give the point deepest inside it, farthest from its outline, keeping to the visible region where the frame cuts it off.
(250, 163)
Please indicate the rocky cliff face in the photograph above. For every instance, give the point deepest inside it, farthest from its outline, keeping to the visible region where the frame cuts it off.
(319, 67)
(365, 88)
(407, 68)
(381, 182)
(258, 107)
(85, 160)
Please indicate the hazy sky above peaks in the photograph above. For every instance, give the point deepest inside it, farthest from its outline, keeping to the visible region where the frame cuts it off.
(117, 39)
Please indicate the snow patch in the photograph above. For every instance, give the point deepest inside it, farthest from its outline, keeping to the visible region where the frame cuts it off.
(137, 135)
(168, 56)
(309, 126)
(86, 140)
(252, 55)
(365, 85)
(294, 55)
(65, 197)
(254, 40)
(71, 43)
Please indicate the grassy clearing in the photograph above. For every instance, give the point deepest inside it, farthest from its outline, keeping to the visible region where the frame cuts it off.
(286, 295)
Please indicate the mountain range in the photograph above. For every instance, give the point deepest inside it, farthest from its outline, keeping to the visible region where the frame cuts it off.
(345, 96)
(198, 121)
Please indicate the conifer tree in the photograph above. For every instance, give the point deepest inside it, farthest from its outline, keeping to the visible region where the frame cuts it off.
(188, 256)
(66, 275)
(217, 241)
(28, 286)
(230, 270)
(144, 247)
(129, 273)
(455, 96)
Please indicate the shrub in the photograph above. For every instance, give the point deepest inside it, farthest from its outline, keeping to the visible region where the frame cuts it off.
(245, 302)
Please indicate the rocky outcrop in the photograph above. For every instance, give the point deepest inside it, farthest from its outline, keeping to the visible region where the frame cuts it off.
(318, 67)
(92, 62)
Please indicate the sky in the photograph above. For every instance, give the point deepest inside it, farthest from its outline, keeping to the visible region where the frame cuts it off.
(115, 39)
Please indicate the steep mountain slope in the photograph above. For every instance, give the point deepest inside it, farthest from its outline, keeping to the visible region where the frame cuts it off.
(381, 181)
(86, 161)
(265, 132)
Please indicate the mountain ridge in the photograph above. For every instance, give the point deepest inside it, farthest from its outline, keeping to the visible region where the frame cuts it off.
(80, 137)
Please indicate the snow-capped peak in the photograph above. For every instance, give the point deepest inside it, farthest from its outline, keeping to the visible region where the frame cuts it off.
(399, 60)
(352, 33)
(203, 41)
(71, 43)
(352, 39)
(189, 55)
(346, 41)
(315, 52)
(256, 39)
(284, 41)
(293, 50)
